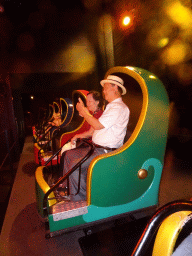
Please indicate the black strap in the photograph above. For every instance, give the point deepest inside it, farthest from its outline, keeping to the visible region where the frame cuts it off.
(99, 146)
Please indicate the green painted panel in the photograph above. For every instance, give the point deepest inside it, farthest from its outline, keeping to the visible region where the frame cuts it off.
(63, 224)
(39, 198)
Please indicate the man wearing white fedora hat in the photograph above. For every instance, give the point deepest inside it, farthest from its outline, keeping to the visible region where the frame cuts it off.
(108, 132)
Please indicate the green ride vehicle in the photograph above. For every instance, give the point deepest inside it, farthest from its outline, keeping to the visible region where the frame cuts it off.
(126, 181)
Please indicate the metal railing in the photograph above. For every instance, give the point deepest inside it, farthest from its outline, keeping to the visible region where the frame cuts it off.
(66, 176)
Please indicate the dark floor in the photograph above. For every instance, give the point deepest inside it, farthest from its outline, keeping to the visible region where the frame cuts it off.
(7, 176)
(24, 232)
(116, 241)
(8, 172)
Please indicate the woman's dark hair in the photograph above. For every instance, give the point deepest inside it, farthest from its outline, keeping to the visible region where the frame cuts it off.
(97, 97)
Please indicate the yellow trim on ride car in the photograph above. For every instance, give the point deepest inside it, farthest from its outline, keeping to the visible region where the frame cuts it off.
(43, 184)
(168, 233)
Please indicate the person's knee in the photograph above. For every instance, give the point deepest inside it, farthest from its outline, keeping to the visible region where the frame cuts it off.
(68, 156)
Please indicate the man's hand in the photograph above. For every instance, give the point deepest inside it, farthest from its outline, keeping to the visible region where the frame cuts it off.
(83, 111)
(80, 106)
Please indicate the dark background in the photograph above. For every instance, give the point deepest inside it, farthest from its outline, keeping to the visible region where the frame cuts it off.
(49, 48)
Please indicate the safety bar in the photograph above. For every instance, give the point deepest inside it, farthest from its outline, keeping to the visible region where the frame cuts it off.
(43, 136)
(66, 176)
(44, 146)
(53, 156)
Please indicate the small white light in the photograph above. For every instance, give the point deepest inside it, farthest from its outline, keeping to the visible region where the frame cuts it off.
(126, 20)
(131, 68)
(153, 77)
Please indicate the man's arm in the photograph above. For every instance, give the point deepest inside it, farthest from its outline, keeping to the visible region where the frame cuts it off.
(83, 135)
(94, 122)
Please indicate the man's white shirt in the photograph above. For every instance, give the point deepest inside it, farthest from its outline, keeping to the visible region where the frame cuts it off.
(115, 119)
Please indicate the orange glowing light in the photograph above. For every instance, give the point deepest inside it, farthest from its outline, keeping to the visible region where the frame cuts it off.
(126, 21)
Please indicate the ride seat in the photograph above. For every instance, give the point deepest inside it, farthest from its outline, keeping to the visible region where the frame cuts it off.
(134, 100)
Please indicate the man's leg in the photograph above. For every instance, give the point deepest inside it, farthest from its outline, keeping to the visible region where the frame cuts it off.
(74, 178)
(72, 157)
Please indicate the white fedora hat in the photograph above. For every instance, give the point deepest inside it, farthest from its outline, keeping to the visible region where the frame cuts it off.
(114, 80)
